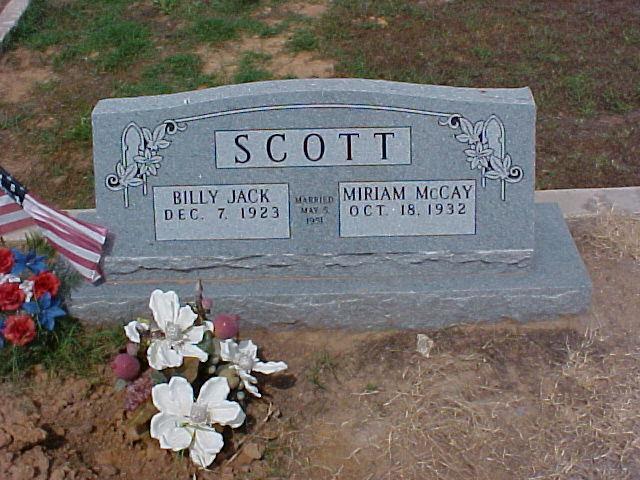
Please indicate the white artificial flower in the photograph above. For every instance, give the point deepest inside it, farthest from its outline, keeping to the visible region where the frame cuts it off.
(174, 336)
(183, 423)
(244, 358)
(27, 288)
(133, 329)
(8, 278)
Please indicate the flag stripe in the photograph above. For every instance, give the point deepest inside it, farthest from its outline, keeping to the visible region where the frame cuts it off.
(81, 243)
(14, 207)
(61, 230)
(69, 246)
(16, 225)
(70, 254)
(12, 216)
(97, 233)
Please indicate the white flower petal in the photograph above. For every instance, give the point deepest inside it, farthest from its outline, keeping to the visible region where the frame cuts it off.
(247, 347)
(252, 389)
(162, 422)
(163, 428)
(132, 330)
(165, 306)
(188, 350)
(205, 447)
(194, 334)
(174, 398)
(227, 413)
(186, 317)
(208, 325)
(269, 367)
(249, 382)
(160, 355)
(176, 439)
(213, 391)
(228, 350)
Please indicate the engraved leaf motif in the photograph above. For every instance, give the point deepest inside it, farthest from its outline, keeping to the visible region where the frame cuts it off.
(507, 162)
(478, 155)
(148, 137)
(158, 136)
(470, 132)
(127, 175)
(497, 165)
(148, 163)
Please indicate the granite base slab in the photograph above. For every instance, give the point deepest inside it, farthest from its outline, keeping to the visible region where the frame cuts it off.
(556, 283)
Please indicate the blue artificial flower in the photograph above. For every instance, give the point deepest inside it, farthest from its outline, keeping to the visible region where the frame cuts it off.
(1, 333)
(31, 261)
(46, 310)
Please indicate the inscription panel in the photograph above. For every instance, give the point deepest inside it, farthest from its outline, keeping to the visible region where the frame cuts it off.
(314, 147)
(408, 208)
(221, 212)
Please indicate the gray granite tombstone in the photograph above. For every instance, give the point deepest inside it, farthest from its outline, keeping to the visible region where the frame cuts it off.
(339, 202)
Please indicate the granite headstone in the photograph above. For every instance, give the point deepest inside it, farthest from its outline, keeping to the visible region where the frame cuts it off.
(358, 202)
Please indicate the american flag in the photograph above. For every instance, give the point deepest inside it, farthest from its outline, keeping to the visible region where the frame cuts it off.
(81, 243)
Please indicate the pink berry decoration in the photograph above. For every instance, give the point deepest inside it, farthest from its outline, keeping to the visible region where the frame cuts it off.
(226, 326)
(125, 366)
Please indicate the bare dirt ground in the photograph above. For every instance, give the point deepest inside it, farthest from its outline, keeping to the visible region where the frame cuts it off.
(548, 400)
(279, 60)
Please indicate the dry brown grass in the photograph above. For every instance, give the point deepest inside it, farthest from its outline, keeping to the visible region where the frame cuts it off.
(611, 233)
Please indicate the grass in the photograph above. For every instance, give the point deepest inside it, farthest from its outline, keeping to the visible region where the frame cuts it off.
(69, 349)
(182, 71)
(251, 68)
(322, 364)
(302, 40)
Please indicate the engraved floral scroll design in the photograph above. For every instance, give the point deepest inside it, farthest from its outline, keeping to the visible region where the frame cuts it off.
(140, 156)
(485, 140)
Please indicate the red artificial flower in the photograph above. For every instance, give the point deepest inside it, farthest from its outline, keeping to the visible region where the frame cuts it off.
(19, 329)
(11, 297)
(45, 282)
(6, 260)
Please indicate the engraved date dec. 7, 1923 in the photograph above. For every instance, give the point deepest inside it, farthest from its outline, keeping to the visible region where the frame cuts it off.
(221, 212)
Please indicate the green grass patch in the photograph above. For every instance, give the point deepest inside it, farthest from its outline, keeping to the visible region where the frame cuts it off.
(324, 363)
(221, 29)
(80, 131)
(214, 30)
(580, 90)
(112, 43)
(69, 349)
(10, 121)
(177, 72)
(303, 39)
(251, 68)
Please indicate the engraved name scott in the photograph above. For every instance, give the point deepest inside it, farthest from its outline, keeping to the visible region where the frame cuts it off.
(312, 147)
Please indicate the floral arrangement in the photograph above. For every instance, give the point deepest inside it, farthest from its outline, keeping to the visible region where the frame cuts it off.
(30, 297)
(187, 353)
